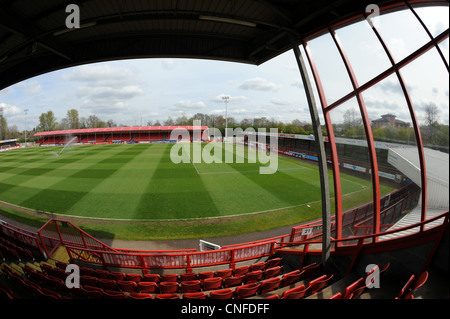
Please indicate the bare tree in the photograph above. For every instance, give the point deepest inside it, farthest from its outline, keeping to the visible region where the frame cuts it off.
(431, 114)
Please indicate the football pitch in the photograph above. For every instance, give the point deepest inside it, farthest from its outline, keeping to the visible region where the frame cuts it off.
(140, 183)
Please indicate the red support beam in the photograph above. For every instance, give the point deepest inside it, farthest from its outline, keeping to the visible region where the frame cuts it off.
(368, 132)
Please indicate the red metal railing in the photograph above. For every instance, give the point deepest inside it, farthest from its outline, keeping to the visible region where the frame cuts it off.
(83, 247)
(20, 235)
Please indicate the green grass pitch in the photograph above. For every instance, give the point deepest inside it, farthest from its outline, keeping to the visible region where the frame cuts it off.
(141, 183)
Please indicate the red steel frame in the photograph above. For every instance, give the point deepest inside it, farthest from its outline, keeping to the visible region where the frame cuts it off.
(357, 92)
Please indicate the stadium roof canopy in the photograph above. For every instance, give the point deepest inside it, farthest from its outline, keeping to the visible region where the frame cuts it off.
(34, 38)
(119, 129)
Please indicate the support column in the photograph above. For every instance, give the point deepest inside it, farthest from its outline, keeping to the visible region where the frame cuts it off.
(321, 154)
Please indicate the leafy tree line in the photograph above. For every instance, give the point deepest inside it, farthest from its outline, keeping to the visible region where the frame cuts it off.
(48, 122)
(434, 134)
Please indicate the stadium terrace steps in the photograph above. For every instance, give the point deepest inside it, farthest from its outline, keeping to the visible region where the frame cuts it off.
(412, 218)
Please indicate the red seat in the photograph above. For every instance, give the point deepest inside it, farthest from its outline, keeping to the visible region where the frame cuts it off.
(221, 294)
(294, 293)
(116, 275)
(258, 266)
(274, 296)
(108, 284)
(92, 292)
(89, 281)
(337, 295)
(86, 271)
(147, 287)
(412, 285)
(62, 265)
(253, 276)
(127, 286)
(111, 294)
(318, 284)
(133, 277)
(212, 283)
(247, 290)
(273, 262)
(169, 277)
(188, 277)
(195, 295)
(151, 278)
(290, 278)
(168, 287)
(49, 294)
(272, 272)
(309, 270)
(191, 286)
(270, 284)
(241, 270)
(205, 275)
(357, 292)
(137, 295)
(419, 282)
(224, 273)
(167, 296)
(233, 281)
(101, 274)
(352, 287)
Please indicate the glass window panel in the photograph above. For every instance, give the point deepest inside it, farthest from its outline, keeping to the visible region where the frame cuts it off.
(364, 51)
(402, 33)
(331, 68)
(428, 84)
(394, 138)
(435, 18)
(444, 48)
(389, 113)
(353, 156)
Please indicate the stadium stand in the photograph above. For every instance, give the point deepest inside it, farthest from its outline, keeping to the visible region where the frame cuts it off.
(27, 275)
(138, 134)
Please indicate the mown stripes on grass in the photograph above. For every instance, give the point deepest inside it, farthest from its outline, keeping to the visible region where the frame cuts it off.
(140, 182)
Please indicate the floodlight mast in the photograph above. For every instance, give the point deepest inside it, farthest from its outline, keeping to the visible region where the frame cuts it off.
(226, 98)
(1, 118)
(26, 113)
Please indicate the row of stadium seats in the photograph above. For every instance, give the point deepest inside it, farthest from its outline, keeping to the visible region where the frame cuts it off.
(11, 250)
(48, 282)
(256, 268)
(43, 285)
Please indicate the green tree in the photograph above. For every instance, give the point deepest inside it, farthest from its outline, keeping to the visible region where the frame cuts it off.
(4, 129)
(73, 119)
(47, 122)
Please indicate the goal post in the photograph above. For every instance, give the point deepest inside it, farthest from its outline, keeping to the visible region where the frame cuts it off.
(206, 246)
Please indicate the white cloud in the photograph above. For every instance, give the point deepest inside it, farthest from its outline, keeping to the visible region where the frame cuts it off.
(188, 105)
(259, 84)
(279, 102)
(10, 110)
(30, 87)
(298, 83)
(100, 74)
(168, 64)
(110, 93)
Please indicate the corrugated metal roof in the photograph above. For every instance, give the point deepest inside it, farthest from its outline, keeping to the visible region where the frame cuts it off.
(34, 38)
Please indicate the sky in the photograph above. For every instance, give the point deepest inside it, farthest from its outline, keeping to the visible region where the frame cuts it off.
(132, 92)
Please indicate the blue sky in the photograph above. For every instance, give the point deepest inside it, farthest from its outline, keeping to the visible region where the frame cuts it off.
(129, 91)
